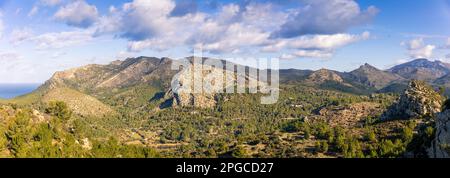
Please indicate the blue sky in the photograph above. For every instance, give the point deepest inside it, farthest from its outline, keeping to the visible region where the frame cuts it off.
(40, 37)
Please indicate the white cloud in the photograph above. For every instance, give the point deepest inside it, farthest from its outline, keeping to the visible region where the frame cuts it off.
(287, 56)
(229, 30)
(124, 54)
(33, 11)
(8, 61)
(9, 56)
(58, 54)
(424, 52)
(313, 54)
(2, 26)
(314, 46)
(234, 38)
(149, 19)
(418, 49)
(61, 39)
(51, 2)
(112, 9)
(316, 42)
(263, 16)
(446, 45)
(36, 7)
(78, 14)
(54, 40)
(234, 28)
(18, 36)
(325, 17)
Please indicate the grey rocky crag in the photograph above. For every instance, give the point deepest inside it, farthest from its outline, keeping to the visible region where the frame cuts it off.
(418, 100)
(197, 85)
(440, 146)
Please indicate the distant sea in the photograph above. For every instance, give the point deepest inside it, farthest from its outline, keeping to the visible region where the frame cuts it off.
(8, 91)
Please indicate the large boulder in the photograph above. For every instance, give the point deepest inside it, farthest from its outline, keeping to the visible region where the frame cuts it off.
(418, 100)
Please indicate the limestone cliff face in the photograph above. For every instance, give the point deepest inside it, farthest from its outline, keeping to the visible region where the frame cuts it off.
(440, 146)
(199, 85)
(418, 100)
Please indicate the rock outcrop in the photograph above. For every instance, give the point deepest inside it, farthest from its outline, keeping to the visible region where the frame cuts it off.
(9, 112)
(199, 85)
(324, 75)
(418, 100)
(440, 146)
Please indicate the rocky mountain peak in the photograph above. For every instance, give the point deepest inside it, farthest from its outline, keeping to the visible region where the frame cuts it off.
(373, 77)
(367, 66)
(418, 100)
(324, 75)
(367, 69)
(422, 69)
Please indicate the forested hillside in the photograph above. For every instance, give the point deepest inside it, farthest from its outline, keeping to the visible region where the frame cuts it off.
(121, 110)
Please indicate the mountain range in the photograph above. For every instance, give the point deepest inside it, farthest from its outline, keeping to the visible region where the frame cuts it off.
(132, 101)
(368, 79)
(97, 86)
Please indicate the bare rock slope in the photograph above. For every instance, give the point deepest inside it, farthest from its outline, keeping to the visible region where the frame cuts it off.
(418, 100)
(440, 146)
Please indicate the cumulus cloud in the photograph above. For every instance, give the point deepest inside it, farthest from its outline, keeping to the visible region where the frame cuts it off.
(323, 42)
(151, 19)
(418, 49)
(233, 28)
(325, 17)
(313, 53)
(228, 30)
(314, 46)
(78, 14)
(185, 7)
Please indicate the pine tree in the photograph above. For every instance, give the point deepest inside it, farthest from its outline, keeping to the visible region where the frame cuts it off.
(59, 109)
(18, 134)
